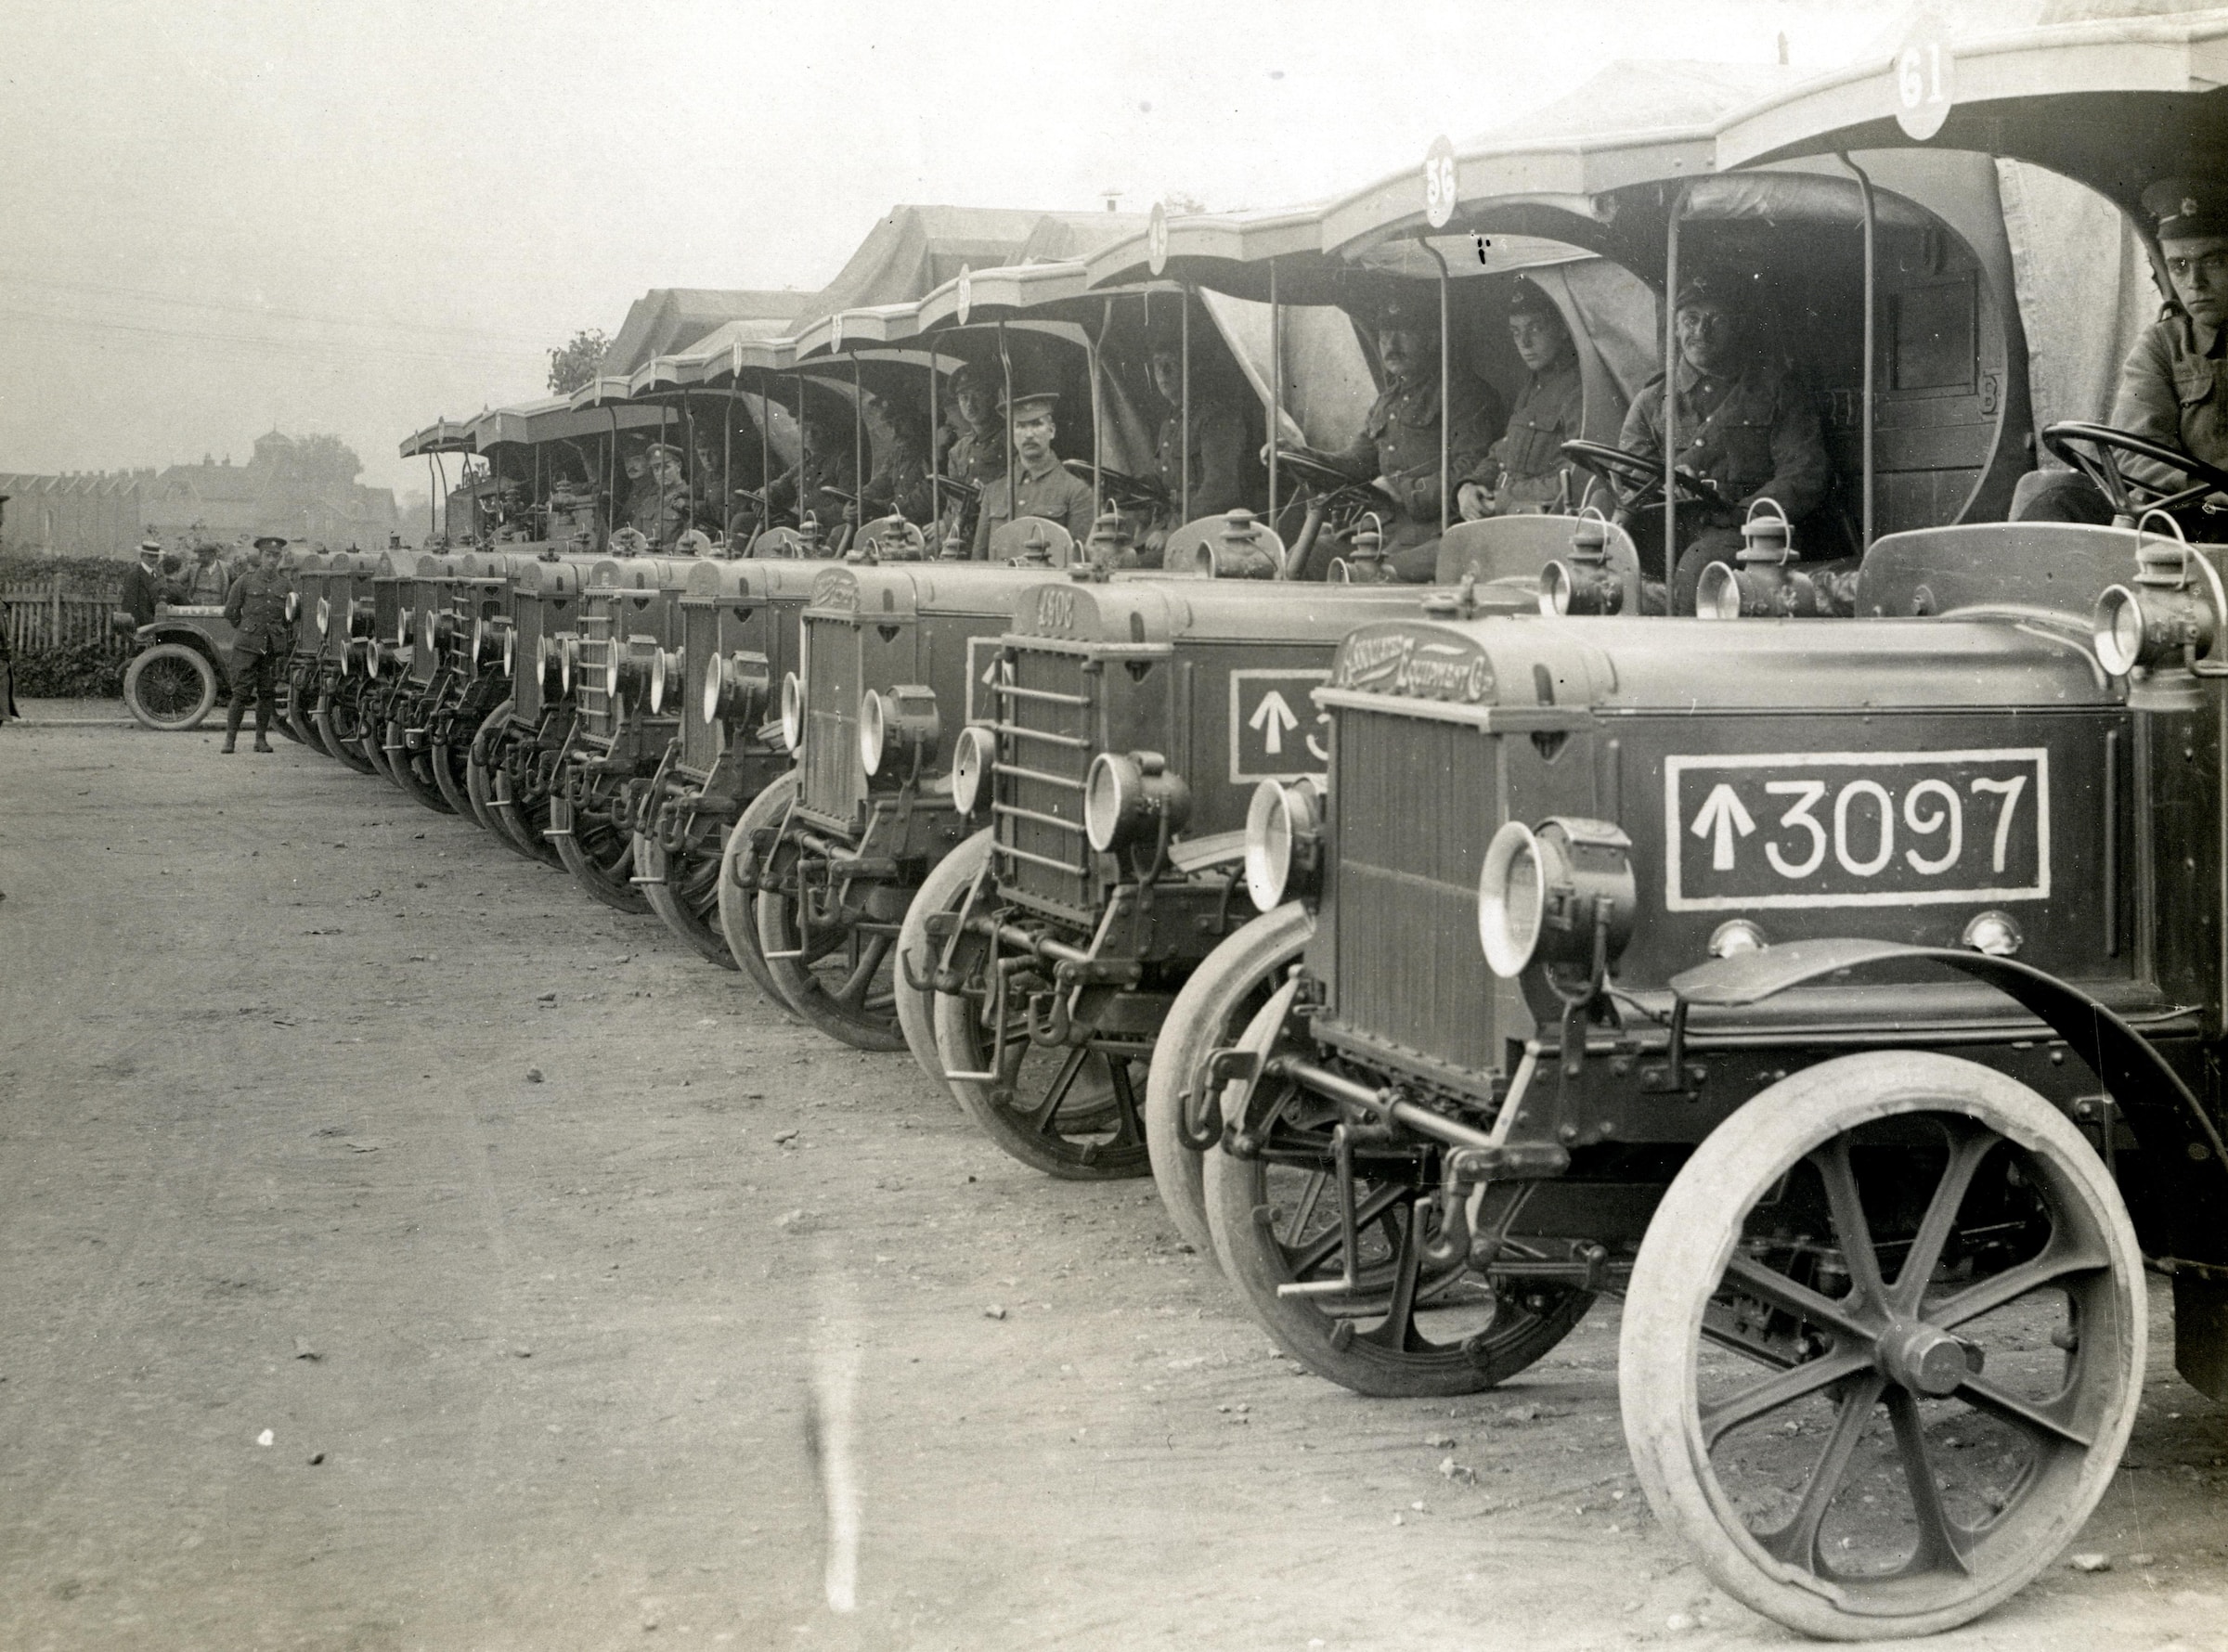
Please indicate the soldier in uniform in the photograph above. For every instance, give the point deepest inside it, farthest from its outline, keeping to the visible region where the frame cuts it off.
(2171, 389)
(1524, 473)
(1399, 444)
(658, 506)
(257, 606)
(830, 471)
(1224, 473)
(1744, 424)
(1041, 487)
(899, 484)
(976, 455)
(143, 584)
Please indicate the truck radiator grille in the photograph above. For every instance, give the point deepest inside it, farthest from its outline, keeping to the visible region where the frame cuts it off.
(1417, 799)
(596, 645)
(1044, 727)
(834, 784)
(700, 644)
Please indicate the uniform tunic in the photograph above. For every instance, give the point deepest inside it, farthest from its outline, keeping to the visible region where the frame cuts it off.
(1400, 442)
(1051, 492)
(900, 487)
(2173, 389)
(660, 510)
(257, 606)
(1223, 474)
(1526, 469)
(1753, 433)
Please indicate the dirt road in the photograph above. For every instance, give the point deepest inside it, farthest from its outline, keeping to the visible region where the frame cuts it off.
(537, 1362)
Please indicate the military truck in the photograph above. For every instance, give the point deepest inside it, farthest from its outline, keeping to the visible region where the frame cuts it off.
(1846, 995)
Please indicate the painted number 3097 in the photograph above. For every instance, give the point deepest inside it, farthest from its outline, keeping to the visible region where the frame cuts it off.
(1856, 829)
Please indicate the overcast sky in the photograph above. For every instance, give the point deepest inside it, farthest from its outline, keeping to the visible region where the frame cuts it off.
(354, 218)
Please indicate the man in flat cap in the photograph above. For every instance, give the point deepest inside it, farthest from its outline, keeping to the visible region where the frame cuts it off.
(1223, 471)
(261, 638)
(1744, 424)
(1399, 444)
(1041, 486)
(144, 584)
(1524, 473)
(2173, 387)
(211, 579)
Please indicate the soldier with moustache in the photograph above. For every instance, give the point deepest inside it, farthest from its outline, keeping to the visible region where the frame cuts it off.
(1040, 485)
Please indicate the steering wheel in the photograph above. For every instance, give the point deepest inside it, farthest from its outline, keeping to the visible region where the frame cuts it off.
(2090, 448)
(1121, 489)
(1644, 476)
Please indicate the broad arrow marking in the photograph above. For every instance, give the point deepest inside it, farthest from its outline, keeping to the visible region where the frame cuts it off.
(1722, 813)
(1273, 719)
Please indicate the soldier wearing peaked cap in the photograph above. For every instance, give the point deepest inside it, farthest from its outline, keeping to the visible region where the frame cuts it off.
(1041, 486)
(1743, 424)
(1524, 471)
(2173, 386)
(1223, 471)
(257, 606)
(1399, 443)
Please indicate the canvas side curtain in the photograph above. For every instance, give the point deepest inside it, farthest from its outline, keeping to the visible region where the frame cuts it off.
(2085, 291)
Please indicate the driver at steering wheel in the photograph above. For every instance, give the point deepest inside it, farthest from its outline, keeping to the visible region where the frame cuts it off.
(1743, 425)
(1399, 443)
(2172, 387)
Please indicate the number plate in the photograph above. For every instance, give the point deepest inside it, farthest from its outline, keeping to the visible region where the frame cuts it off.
(1856, 829)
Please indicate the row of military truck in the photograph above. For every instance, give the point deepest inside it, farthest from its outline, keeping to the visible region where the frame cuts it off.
(1834, 974)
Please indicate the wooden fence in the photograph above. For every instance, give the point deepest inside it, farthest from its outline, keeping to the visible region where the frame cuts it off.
(43, 615)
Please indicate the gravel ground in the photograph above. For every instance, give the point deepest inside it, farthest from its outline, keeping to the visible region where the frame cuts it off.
(328, 1324)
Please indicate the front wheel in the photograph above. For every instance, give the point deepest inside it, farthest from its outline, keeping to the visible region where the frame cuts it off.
(413, 770)
(840, 979)
(170, 687)
(687, 897)
(1375, 1315)
(600, 858)
(1070, 1111)
(738, 889)
(945, 889)
(1224, 994)
(1883, 1345)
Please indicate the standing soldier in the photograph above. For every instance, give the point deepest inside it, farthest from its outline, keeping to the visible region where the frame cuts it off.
(1042, 486)
(1524, 473)
(1399, 444)
(257, 606)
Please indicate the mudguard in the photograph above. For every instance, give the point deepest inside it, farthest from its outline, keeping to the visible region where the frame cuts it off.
(2191, 1161)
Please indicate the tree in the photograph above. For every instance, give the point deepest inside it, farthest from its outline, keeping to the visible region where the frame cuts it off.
(576, 363)
(327, 462)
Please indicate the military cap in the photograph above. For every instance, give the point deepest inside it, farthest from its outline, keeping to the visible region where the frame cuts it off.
(657, 448)
(1711, 285)
(966, 374)
(1410, 313)
(1024, 402)
(1527, 298)
(2186, 208)
(276, 541)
